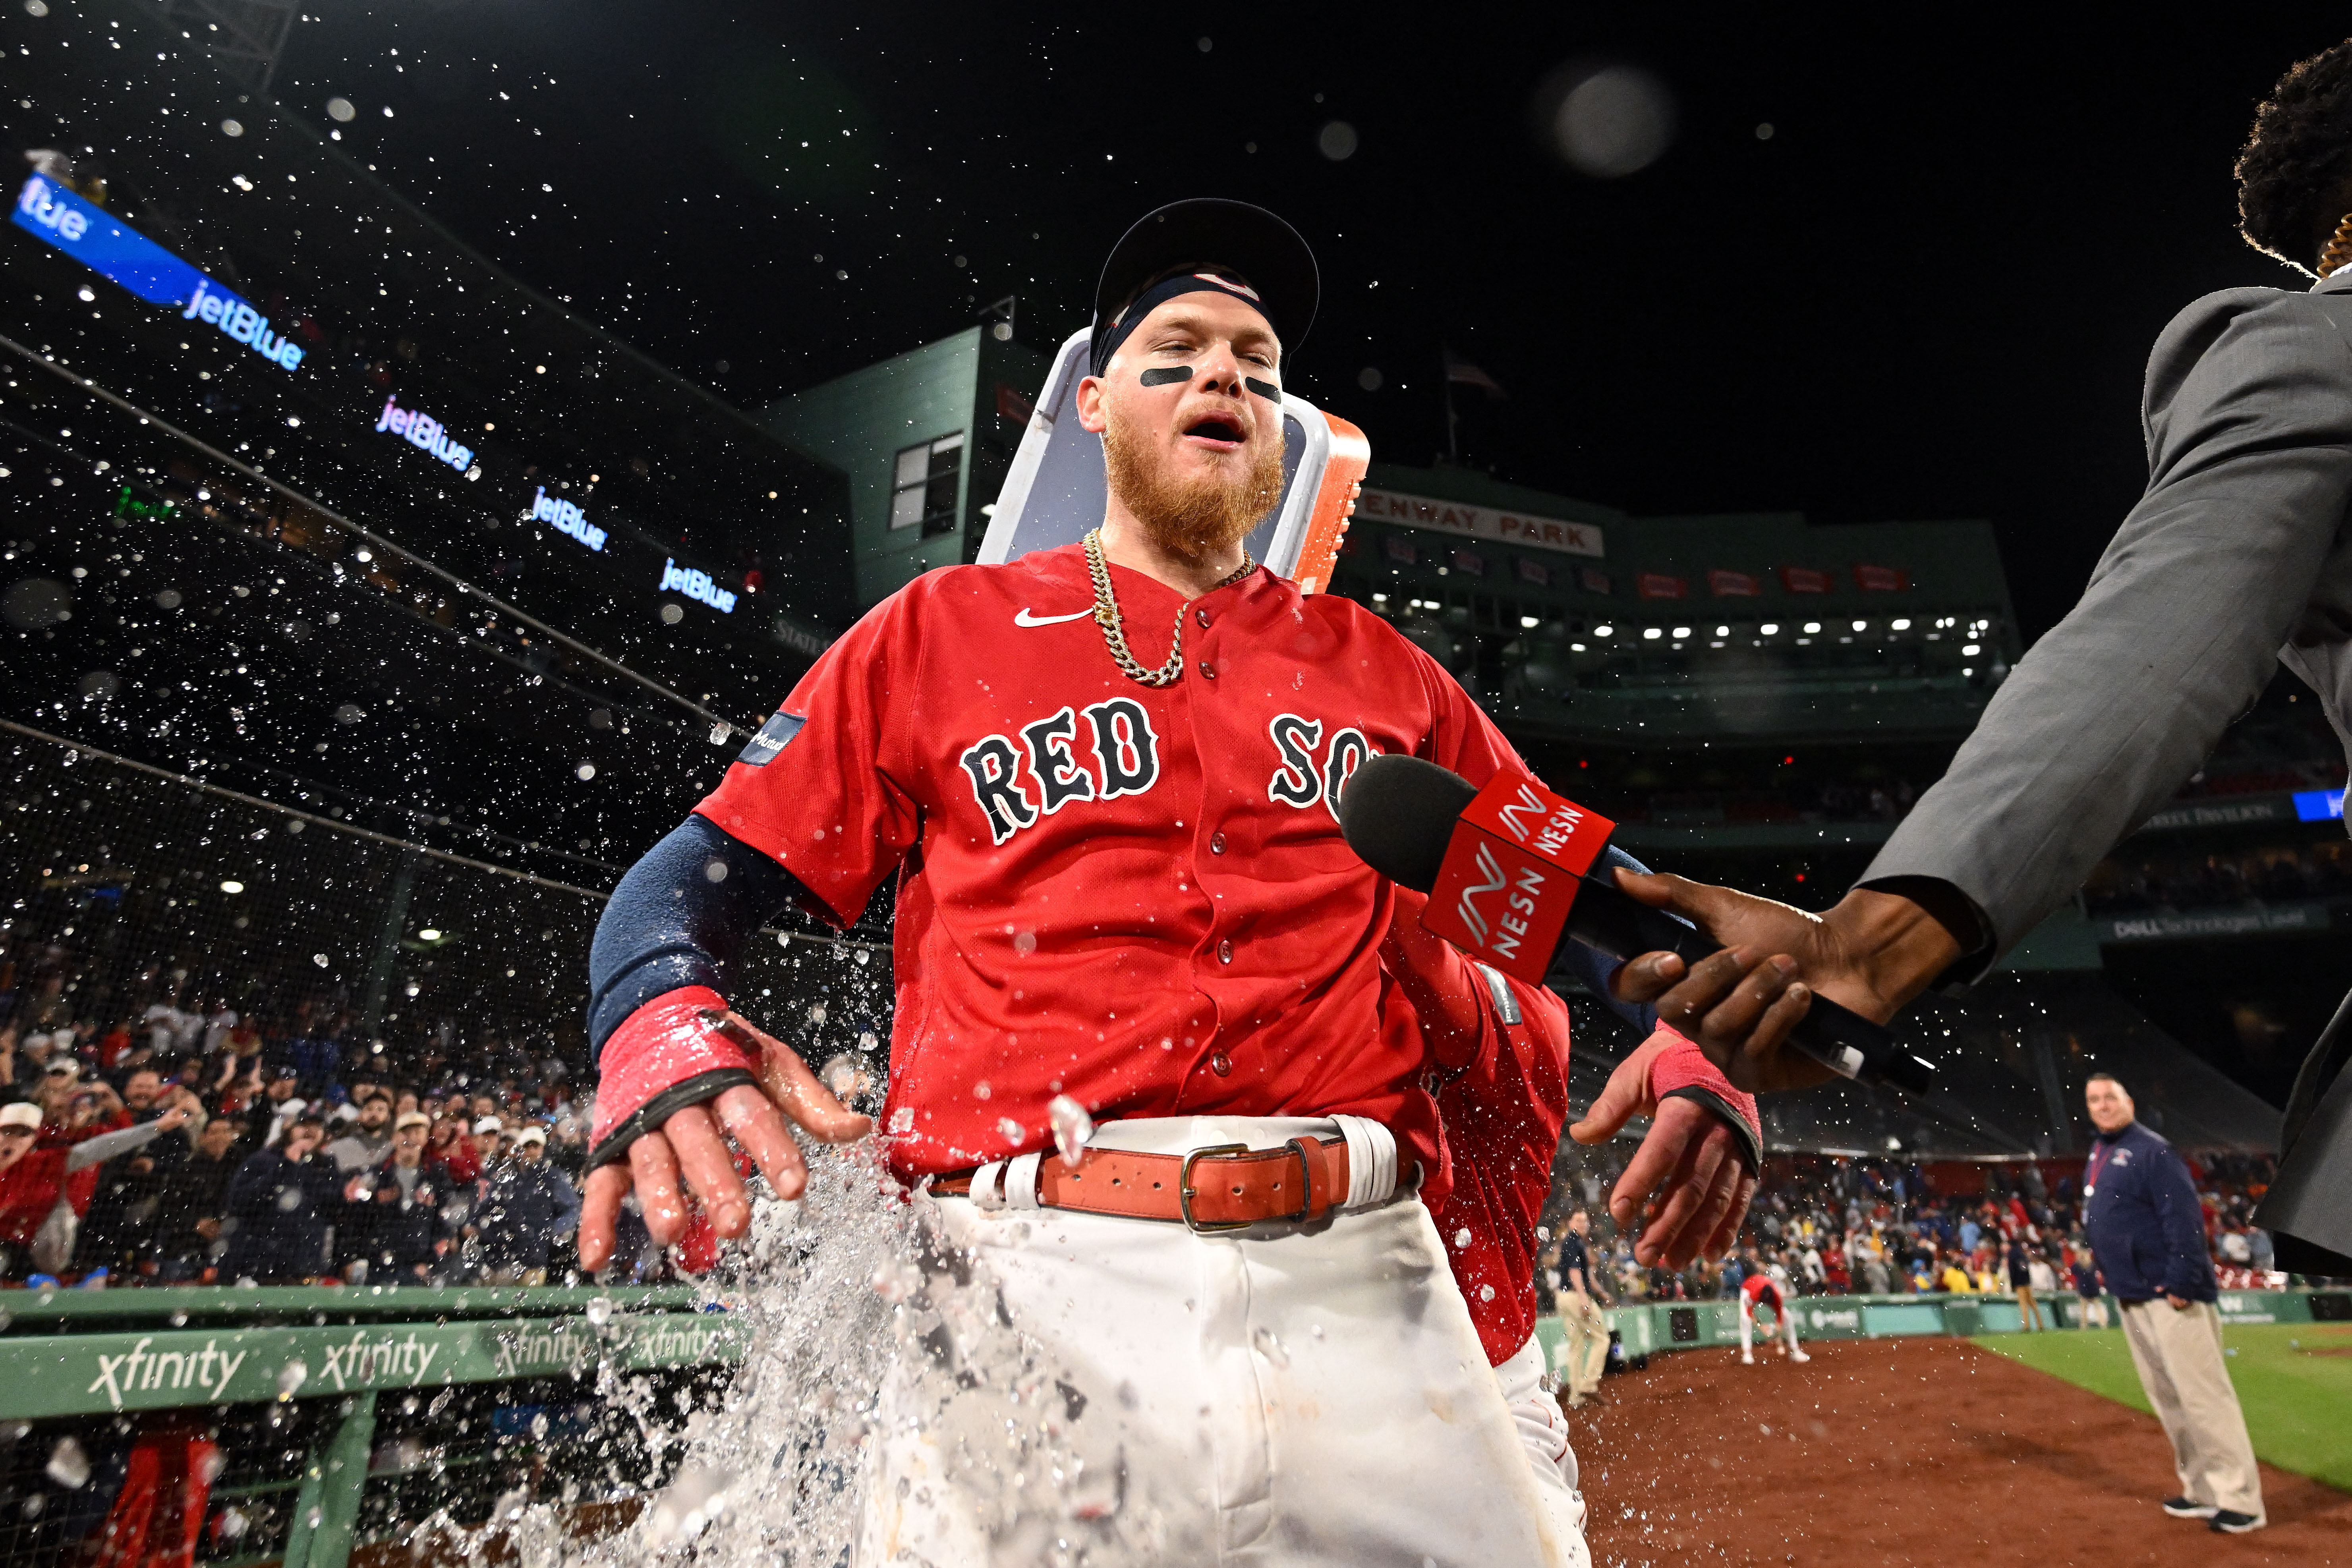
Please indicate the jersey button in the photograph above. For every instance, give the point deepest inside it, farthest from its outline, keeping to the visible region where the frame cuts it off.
(1225, 951)
(1202, 617)
(1221, 1065)
(1216, 843)
(1208, 670)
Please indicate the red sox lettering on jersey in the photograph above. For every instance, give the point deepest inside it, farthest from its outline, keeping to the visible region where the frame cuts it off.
(1138, 896)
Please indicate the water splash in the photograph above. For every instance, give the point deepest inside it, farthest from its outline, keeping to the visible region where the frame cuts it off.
(1072, 1127)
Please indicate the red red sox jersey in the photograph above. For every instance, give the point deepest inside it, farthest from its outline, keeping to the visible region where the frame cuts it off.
(1136, 897)
(1502, 1119)
(1759, 1289)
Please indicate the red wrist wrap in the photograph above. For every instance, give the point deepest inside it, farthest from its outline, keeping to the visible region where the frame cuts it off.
(662, 1059)
(1682, 1072)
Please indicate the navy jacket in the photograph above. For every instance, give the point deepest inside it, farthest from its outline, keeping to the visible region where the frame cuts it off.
(281, 1211)
(2146, 1227)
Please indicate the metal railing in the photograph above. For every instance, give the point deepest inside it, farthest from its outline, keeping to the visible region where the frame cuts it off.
(321, 1420)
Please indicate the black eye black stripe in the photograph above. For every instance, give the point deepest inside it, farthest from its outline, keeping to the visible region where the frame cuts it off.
(1165, 374)
(1266, 390)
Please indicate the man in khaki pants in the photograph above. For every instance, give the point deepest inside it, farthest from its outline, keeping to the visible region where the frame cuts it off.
(2141, 1208)
(1585, 1348)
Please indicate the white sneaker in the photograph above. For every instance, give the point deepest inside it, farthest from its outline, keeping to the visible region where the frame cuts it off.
(1746, 1359)
(1798, 1355)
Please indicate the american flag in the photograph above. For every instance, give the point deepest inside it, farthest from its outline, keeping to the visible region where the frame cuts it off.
(1464, 373)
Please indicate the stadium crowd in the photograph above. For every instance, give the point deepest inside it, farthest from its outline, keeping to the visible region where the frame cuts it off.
(187, 1142)
(1823, 1225)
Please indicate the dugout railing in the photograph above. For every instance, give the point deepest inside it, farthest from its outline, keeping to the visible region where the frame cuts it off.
(306, 1426)
(1650, 1328)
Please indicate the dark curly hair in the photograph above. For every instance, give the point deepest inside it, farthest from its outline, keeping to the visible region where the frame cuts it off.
(2293, 173)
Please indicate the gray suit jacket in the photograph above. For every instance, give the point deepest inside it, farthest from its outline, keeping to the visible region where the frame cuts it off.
(2236, 555)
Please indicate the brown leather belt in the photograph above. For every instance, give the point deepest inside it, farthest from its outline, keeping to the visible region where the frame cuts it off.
(1229, 1188)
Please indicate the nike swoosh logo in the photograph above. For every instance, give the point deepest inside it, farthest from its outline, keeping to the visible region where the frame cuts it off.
(1026, 618)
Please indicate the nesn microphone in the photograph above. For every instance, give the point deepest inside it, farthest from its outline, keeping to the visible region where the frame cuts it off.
(1506, 871)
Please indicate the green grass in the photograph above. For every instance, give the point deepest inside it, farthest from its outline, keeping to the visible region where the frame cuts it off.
(2298, 1405)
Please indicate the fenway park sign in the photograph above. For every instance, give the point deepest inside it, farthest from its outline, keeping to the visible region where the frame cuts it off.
(1492, 523)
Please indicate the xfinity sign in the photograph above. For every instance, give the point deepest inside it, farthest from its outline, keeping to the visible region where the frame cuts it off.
(91, 237)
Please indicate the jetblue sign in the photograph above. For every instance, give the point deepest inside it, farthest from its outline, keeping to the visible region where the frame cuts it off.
(423, 430)
(567, 518)
(697, 586)
(87, 234)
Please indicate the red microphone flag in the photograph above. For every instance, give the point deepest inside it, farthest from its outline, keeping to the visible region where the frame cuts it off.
(1510, 874)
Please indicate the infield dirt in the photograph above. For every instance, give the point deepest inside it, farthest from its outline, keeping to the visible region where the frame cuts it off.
(1902, 1452)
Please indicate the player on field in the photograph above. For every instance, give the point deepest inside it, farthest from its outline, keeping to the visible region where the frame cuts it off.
(1759, 1291)
(1105, 778)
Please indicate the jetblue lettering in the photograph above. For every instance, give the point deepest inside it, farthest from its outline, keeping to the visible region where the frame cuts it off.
(697, 586)
(422, 430)
(123, 254)
(240, 321)
(567, 519)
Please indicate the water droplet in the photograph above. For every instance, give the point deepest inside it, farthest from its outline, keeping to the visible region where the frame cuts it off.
(980, 1090)
(845, 1076)
(320, 959)
(1270, 1347)
(1072, 1127)
(1486, 1292)
(291, 1376)
(902, 1120)
(600, 1311)
(1462, 1236)
(68, 1466)
(1012, 1129)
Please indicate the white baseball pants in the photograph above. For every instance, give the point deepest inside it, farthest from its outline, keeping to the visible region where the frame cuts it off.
(1284, 1396)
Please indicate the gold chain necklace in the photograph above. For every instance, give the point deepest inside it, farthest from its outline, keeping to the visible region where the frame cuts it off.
(1114, 631)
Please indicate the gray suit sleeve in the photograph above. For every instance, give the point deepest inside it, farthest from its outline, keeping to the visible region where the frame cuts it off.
(2249, 415)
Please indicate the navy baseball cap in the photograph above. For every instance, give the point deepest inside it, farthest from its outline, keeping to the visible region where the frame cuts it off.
(1247, 242)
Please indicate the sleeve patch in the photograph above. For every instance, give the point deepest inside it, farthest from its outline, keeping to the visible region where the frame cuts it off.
(1506, 1006)
(773, 737)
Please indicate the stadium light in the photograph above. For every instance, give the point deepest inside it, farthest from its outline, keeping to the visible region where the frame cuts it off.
(1812, 627)
(1770, 628)
(1652, 632)
(231, 887)
(1682, 630)
(1604, 630)
(1904, 625)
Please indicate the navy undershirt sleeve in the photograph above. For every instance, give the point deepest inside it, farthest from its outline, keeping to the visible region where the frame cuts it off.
(679, 917)
(1597, 969)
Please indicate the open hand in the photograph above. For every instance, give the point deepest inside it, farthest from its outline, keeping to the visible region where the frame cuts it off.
(1687, 1174)
(685, 1164)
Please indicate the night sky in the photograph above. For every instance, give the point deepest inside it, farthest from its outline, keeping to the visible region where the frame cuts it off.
(1929, 292)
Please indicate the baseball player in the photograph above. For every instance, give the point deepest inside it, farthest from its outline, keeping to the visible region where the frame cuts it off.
(1760, 1290)
(1105, 778)
(1503, 1111)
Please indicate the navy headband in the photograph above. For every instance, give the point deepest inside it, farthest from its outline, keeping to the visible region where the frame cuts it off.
(1108, 338)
